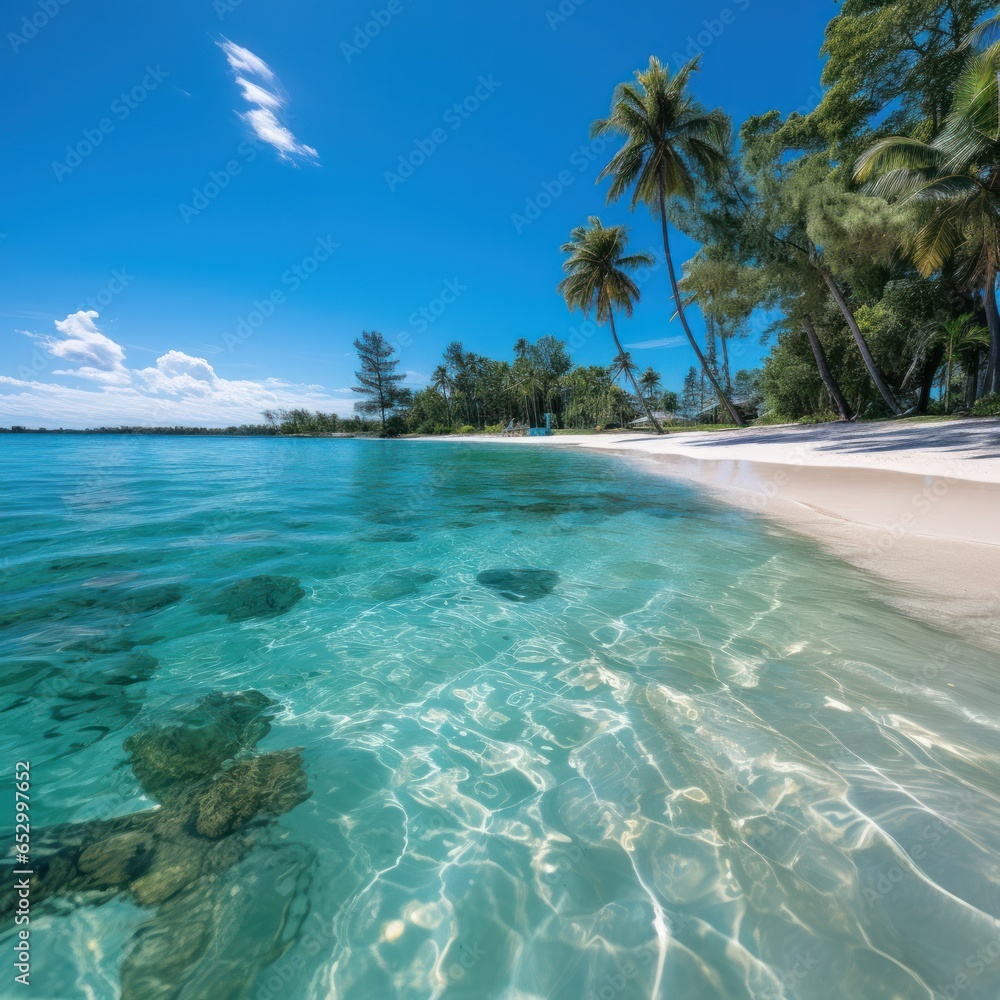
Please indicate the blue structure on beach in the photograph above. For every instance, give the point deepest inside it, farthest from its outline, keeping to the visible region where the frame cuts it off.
(542, 431)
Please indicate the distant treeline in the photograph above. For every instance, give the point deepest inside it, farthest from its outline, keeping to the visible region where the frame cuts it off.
(244, 430)
(281, 423)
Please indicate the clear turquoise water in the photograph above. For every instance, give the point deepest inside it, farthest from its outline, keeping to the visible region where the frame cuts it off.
(711, 763)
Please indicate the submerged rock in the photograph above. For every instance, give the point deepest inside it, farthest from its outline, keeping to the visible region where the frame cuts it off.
(167, 758)
(173, 858)
(401, 583)
(92, 600)
(520, 584)
(111, 641)
(144, 600)
(258, 597)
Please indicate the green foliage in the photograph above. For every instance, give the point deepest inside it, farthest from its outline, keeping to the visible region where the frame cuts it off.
(987, 406)
(790, 383)
(394, 426)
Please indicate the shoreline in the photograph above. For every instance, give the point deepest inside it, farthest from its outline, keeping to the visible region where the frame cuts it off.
(915, 506)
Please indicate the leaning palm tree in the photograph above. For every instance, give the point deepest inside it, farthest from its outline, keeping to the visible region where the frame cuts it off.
(597, 278)
(957, 177)
(670, 142)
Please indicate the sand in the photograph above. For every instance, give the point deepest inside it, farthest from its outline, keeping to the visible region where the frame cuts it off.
(915, 505)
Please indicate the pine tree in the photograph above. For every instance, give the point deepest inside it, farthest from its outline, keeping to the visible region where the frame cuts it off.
(378, 380)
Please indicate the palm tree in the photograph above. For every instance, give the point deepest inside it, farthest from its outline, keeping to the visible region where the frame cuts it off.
(597, 278)
(960, 339)
(650, 381)
(442, 382)
(623, 365)
(670, 142)
(957, 177)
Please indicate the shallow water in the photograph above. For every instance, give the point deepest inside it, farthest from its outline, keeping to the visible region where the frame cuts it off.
(704, 761)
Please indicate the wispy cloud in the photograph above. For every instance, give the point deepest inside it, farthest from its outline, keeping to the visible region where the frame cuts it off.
(178, 389)
(244, 61)
(253, 94)
(652, 345)
(268, 102)
(265, 123)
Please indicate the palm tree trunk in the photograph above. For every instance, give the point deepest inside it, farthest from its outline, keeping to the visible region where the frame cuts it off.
(931, 364)
(737, 417)
(824, 370)
(971, 380)
(992, 383)
(859, 338)
(631, 376)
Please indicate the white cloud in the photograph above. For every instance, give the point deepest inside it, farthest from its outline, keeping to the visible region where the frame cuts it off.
(244, 61)
(270, 130)
(253, 94)
(98, 357)
(179, 389)
(649, 345)
(263, 116)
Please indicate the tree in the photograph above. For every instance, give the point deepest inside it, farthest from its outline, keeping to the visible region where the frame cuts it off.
(624, 367)
(651, 381)
(891, 65)
(378, 380)
(442, 381)
(671, 143)
(960, 338)
(597, 278)
(957, 178)
(806, 213)
(823, 367)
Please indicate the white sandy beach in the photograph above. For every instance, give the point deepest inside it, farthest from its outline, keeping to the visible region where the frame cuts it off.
(916, 505)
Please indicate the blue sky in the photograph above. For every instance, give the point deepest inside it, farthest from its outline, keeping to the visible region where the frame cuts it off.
(230, 185)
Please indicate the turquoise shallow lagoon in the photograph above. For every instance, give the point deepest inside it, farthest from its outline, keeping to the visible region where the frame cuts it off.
(693, 757)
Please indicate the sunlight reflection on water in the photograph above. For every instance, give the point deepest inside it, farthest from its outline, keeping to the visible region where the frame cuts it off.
(702, 761)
